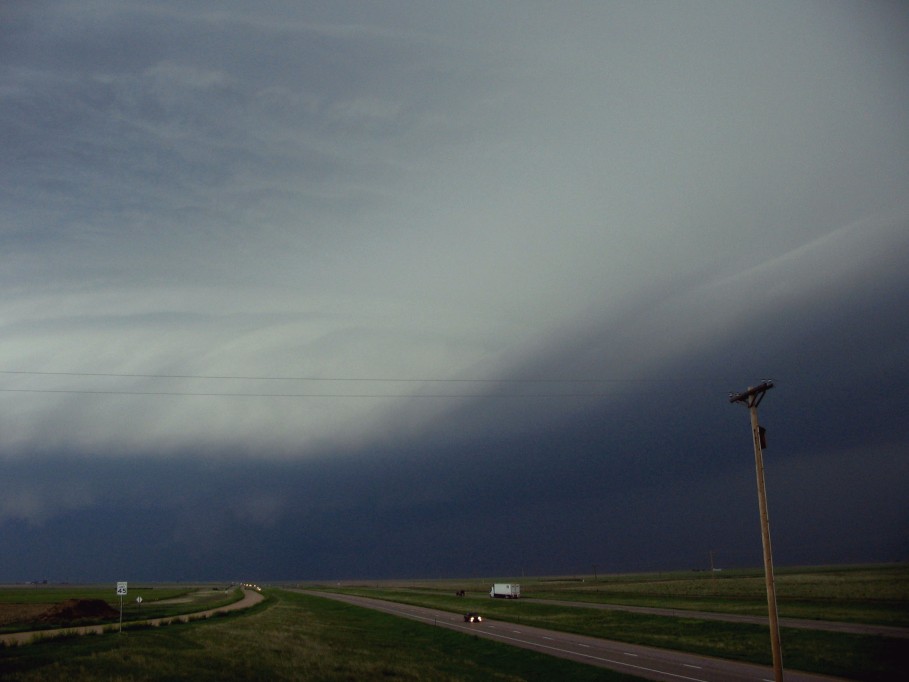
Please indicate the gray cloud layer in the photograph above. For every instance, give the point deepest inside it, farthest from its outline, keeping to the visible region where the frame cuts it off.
(666, 202)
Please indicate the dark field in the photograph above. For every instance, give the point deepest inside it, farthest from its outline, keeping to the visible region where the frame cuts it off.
(295, 636)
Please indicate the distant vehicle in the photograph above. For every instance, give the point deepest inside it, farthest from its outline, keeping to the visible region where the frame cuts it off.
(471, 617)
(505, 590)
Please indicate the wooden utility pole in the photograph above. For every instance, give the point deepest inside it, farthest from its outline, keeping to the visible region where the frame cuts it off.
(751, 398)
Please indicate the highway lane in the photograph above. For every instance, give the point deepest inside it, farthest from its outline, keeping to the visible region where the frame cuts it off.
(645, 662)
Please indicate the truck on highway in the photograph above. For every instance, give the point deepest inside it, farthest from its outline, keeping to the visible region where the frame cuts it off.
(505, 590)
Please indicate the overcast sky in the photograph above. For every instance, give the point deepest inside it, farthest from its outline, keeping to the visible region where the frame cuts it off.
(411, 289)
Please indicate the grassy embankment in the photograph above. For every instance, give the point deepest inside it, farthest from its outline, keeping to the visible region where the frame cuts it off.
(878, 595)
(289, 637)
(20, 606)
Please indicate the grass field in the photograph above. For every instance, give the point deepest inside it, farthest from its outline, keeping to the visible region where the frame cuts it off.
(289, 637)
(863, 594)
(21, 606)
(857, 594)
(297, 636)
(856, 656)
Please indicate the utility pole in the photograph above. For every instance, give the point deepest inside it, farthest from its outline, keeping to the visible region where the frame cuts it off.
(751, 398)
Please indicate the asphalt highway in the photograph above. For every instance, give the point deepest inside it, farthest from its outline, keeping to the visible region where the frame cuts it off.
(646, 662)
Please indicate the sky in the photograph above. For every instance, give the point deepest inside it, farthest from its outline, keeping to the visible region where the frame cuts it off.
(325, 290)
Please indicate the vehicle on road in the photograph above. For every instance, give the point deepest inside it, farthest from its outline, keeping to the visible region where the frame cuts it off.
(471, 617)
(505, 590)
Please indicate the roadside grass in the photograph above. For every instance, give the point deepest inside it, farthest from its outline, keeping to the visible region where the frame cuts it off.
(201, 600)
(889, 613)
(44, 594)
(858, 656)
(297, 636)
(291, 636)
(859, 594)
(156, 603)
(877, 594)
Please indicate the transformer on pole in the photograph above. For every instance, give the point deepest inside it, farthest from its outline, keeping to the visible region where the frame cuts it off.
(751, 398)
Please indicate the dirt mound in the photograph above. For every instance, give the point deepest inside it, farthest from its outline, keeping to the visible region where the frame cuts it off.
(74, 610)
(20, 613)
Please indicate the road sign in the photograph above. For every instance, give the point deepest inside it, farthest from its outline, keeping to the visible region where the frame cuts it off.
(121, 589)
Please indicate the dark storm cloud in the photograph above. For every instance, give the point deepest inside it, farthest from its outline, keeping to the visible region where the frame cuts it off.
(651, 478)
(587, 223)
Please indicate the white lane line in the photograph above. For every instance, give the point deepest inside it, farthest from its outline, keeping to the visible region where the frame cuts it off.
(688, 665)
(629, 654)
(613, 661)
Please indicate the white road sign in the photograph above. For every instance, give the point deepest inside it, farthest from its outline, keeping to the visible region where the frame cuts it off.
(121, 589)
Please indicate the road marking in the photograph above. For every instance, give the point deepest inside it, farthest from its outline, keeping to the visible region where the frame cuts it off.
(629, 654)
(549, 638)
(603, 660)
(688, 665)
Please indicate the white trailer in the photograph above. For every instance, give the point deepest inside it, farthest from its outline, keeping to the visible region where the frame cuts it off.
(505, 590)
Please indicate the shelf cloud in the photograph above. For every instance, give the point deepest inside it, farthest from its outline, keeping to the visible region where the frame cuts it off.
(341, 289)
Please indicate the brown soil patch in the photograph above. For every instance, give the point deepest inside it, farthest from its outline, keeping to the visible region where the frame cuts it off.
(20, 613)
(76, 610)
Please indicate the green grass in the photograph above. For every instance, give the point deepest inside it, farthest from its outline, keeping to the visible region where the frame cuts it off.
(291, 637)
(298, 636)
(865, 594)
(52, 594)
(858, 594)
(862, 595)
(155, 602)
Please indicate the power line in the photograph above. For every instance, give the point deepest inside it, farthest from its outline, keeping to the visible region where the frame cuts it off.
(260, 394)
(359, 395)
(337, 379)
(306, 395)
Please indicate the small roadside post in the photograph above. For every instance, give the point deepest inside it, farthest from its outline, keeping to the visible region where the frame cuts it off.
(121, 592)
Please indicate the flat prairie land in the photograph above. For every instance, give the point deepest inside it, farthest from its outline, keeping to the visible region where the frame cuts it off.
(874, 594)
(868, 595)
(290, 636)
(293, 635)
